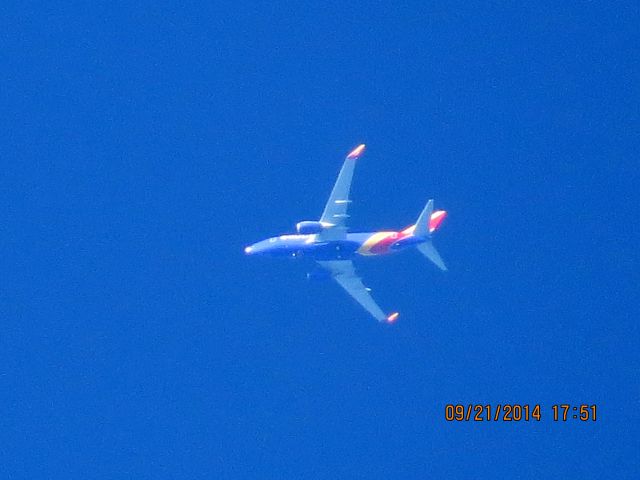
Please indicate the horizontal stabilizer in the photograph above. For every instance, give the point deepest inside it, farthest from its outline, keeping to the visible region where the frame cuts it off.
(429, 251)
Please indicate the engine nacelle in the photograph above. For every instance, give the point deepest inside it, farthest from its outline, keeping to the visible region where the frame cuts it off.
(308, 227)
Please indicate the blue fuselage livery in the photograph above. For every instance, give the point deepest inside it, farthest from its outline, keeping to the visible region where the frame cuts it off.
(365, 244)
(333, 247)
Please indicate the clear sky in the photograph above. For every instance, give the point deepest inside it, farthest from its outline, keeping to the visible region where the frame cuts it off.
(143, 147)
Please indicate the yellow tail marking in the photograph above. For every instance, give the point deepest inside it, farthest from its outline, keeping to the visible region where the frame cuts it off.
(371, 241)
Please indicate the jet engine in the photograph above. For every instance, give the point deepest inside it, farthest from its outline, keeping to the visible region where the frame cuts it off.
(308, 227)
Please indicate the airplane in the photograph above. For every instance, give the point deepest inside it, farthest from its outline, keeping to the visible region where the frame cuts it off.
(333, 247)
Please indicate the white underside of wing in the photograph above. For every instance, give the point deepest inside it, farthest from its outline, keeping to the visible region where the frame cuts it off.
(344, 273)
(335, 211)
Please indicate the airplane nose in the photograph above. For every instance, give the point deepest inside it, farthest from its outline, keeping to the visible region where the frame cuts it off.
(248, 250)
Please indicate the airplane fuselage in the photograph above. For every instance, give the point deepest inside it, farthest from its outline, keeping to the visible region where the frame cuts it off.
(365, 244)
(328, 242)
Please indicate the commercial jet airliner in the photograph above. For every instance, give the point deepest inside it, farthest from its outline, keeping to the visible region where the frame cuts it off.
(329, 243)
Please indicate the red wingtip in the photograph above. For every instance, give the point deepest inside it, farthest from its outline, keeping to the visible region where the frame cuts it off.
(356, 152)
(393, 317)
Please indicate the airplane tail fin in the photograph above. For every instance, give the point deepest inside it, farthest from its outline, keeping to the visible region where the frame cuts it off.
(422, 224)
(429, 251)
(428, 221)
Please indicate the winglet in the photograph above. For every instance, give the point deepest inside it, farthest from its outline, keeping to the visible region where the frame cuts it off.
(356, 152)
(393, 317)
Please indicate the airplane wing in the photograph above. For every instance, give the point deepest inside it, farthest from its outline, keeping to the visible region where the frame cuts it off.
(335, 211)
(344, 273)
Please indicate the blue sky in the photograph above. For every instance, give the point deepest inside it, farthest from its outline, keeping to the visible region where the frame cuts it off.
(144, 146)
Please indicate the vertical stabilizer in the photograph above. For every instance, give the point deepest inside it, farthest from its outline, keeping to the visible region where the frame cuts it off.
(428, 222)
(422, 225)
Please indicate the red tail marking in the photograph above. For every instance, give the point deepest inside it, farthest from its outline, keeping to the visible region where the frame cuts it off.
(436, 219)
